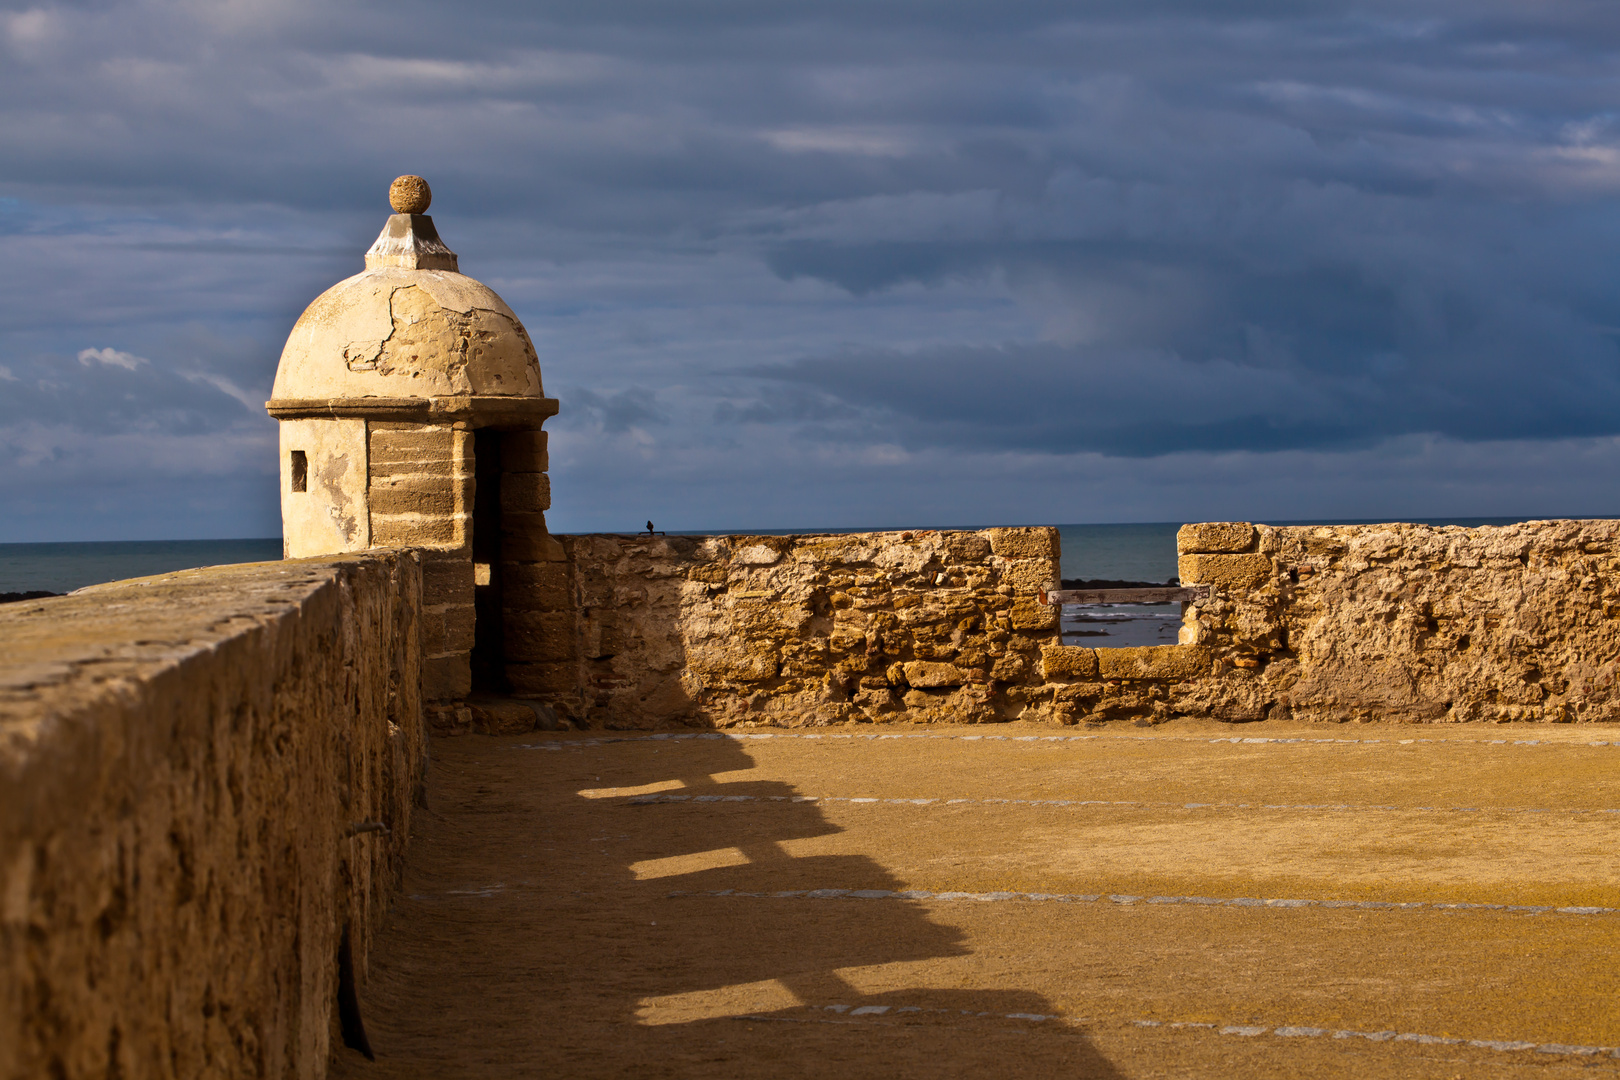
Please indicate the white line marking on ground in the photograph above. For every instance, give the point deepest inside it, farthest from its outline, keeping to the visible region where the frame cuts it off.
(563, 743)
(1352, 808)
(1091, 898)
(1232, 1030)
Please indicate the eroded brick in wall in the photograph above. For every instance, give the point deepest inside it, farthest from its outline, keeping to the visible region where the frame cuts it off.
(183, 764)
(793, 630)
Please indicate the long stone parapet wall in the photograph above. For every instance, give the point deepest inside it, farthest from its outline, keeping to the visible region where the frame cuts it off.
(1335, 623)
(1409, 623)
(206, 782)
(923, 625)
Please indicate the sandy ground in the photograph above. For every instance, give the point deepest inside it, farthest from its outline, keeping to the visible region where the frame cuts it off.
(606, 904)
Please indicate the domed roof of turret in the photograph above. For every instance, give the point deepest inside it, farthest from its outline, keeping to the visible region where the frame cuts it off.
(410, 326)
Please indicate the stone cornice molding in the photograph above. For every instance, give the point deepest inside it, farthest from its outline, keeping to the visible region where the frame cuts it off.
(482, 410)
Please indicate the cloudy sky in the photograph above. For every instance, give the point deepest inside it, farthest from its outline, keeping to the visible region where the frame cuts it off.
(826, 263)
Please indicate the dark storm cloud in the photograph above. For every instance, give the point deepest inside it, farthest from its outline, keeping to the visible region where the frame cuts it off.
(612, 413)
(1198, 349)
(827, 235)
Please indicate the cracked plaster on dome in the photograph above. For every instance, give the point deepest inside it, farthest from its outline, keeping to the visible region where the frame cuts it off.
(393, 332)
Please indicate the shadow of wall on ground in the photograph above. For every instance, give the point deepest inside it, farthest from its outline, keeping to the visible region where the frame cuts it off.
(562, 916)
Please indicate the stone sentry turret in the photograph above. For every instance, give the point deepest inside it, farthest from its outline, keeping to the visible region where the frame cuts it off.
(411, 409)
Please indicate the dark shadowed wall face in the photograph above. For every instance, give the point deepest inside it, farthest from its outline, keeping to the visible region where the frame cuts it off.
(824, 264)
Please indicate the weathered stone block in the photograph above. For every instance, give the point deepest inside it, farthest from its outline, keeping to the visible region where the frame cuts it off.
(446, 678)
(1153, 662)
(532, 547)
(536, 586)
(447, 581)
(1225, 571)
(448, 718)
(1009, 667)
(500, 717)
(395, 447)
(708, 573)
(1068, 662)
(757, 550)
(847, 639)
(1033, 615)
(418, 495)
(391, 449)
(927, 674)
(732, 662)
(543, 679)
(447, 628)
(441, 472)
(877, 700)
(386, 432)
(540, 637)
(524, 451)
(602, 636)
(1028, 575)
(1025, 543)
(523, 523)
(413, 530)
(525, 493)
(1215, 537)
(1078, 691)
(936, 649)
(506, 717)
(396, 460)
(967, 547)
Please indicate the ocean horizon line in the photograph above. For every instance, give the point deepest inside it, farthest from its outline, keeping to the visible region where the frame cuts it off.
(1113, 550)
(1466, 520)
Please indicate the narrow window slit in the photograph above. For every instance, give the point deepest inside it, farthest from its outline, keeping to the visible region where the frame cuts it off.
(300, 471)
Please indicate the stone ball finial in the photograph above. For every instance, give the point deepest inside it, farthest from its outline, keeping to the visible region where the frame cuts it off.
(410, 195)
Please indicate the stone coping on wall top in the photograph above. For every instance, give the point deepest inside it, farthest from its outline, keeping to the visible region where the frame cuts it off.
(725, 534)
(61, 652)
(1216, 537)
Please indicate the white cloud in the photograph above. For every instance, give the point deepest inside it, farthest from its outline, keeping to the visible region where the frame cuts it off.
(31, 28)
(111, 357)
(868, 142)
(250, 400)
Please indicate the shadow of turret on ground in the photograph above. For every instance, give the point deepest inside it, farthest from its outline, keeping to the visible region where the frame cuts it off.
(601, 910)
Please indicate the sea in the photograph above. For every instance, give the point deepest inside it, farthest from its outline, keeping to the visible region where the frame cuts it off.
(1143, 552)
(61, 568)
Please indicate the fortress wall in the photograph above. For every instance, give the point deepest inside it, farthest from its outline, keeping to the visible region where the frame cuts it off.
(1375, 622)
(182, 759)
(793, 630)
